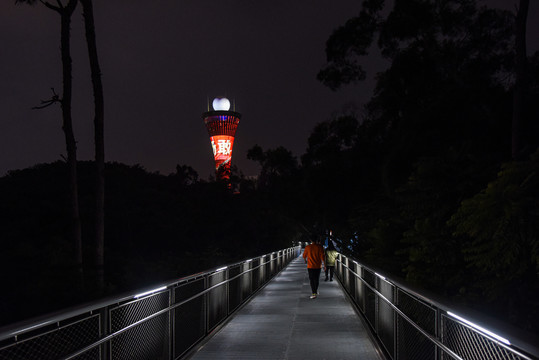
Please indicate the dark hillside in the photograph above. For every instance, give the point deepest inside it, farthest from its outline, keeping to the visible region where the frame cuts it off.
(156, 228)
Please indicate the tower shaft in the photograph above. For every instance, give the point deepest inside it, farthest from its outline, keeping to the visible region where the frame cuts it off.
(221, 126)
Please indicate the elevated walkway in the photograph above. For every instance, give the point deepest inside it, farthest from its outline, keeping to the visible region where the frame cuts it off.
(260, 309)
(282, 322)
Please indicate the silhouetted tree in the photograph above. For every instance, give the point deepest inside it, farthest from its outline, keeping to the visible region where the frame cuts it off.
(158, 228)
(441, 96)
(520, 89)
(276, 164)
(99, 141)
(348, 43)
(278, 192)
(437, 128)
(186, 175)
(65, 12)
(500, 225)
(332, 173)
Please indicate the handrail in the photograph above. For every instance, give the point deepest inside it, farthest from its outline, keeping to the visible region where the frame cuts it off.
(118, 325)
(401, 313)
(119, 332)
(407, 322)
(392, 310)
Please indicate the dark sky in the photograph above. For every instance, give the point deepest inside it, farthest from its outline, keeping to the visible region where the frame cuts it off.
(161, 60)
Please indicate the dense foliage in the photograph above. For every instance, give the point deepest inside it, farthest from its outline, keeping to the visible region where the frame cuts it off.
(158, 228)
(438, 199)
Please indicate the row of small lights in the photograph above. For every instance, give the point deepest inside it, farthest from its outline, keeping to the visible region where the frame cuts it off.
(473, 325)
(149, 292)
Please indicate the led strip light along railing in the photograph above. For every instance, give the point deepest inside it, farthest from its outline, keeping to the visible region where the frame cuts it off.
(17, 338)
(479, 328)
(482, 330)
(460, 318)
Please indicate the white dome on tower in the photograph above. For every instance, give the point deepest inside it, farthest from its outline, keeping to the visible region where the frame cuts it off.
(221, 103)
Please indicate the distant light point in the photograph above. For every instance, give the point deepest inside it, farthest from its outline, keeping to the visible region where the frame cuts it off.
(221, 103)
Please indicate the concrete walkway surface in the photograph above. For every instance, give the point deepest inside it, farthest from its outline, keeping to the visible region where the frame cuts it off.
(282, 322)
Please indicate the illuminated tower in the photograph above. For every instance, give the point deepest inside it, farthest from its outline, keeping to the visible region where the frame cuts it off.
(222, 124)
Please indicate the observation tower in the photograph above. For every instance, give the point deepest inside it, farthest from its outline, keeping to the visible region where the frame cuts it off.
(222, 124)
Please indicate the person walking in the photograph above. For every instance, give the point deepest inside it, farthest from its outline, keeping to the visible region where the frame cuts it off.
(314, 257)
(329, 260)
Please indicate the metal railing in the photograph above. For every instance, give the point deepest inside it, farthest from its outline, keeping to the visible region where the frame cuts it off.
(409, 325)
(162, 323)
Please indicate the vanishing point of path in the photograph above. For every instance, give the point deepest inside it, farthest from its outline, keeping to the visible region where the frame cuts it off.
(281, 322)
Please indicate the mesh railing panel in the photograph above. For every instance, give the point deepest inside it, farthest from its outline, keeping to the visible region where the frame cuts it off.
(133, 311)
(386, 316)
(409, 326)
(246, 281)
(154, 325)
(192, 312)
(280, 260)
(148, 340)
(272, 264)
(256, 273)
(338, 267)
(412, 344)
(472, 345)
(369, 277)
(359, 295)
(267, 267)
(262, 270)
(370, 307)
(92, 354)
(346, 275)
(55, 343)
(235, 295)
(419, 312)
(370, 297)
(217, 299)
(351, 281)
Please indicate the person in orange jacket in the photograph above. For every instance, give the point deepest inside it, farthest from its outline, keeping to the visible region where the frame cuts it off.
(314, 257)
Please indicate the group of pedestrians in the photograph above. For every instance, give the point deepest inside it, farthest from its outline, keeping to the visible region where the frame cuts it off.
(314, 255)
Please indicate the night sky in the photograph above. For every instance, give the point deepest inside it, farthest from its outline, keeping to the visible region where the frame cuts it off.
(161, 61)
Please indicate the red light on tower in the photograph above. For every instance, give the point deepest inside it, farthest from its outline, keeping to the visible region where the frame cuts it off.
(222, 124)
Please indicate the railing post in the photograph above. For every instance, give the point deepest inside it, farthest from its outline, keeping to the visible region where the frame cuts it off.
(250, 277)
(438, 332)
(376, 306)
(273, 264)
(361, 273)
(227, 290)
(395, 316)
(263, 269)
(104, 326)
(171, 323)
(206, 305)
(396, 325)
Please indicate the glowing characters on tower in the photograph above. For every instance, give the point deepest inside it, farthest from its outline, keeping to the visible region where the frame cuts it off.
(221, 124)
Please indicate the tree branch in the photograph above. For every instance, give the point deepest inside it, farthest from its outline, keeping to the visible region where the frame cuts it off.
(46, 103)
(50, 6)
